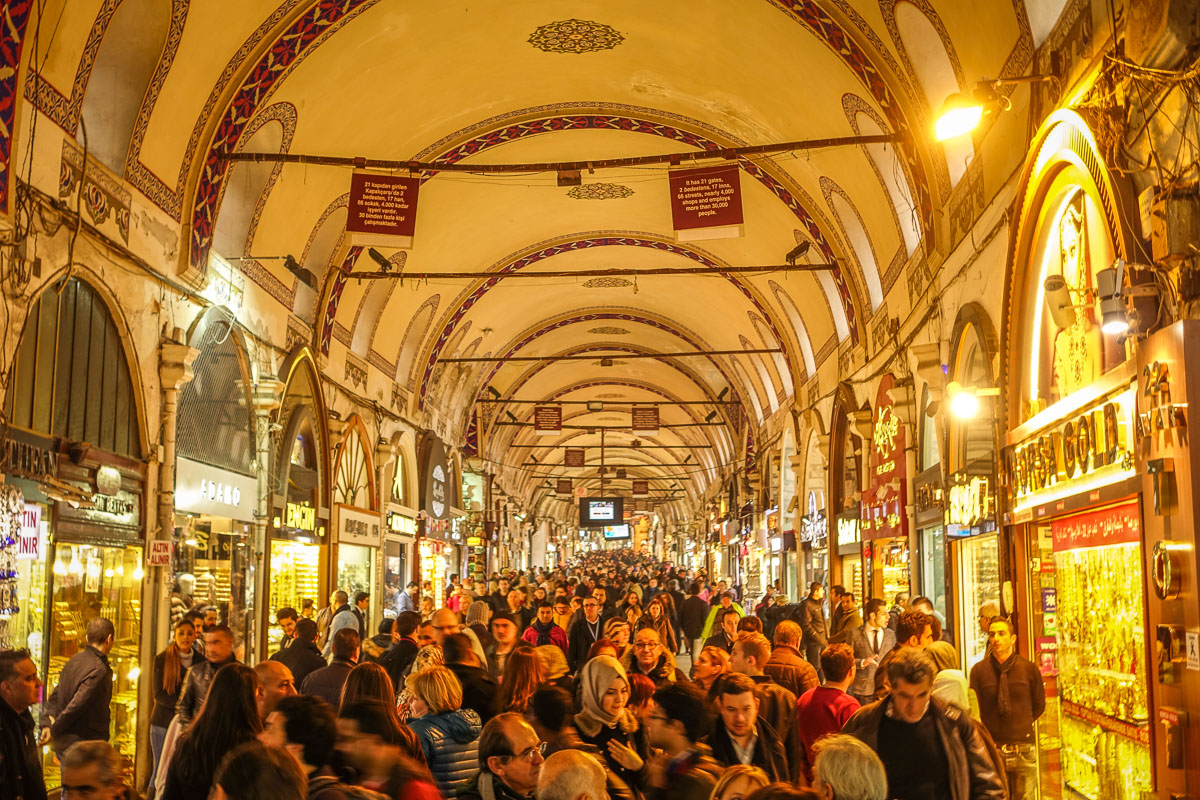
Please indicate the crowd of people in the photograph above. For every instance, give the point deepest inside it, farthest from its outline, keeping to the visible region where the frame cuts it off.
(559, 684)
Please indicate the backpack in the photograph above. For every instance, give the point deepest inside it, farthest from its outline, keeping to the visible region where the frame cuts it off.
(323, 783)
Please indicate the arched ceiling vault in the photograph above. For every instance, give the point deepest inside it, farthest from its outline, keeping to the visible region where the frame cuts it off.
(544, 81)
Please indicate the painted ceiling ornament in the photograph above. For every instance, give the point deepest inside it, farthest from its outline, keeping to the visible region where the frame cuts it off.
(575, 36)
(607, 283)
(599, 191)
(608, 330)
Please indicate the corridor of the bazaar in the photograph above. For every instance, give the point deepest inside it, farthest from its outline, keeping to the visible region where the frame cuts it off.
(590, 399)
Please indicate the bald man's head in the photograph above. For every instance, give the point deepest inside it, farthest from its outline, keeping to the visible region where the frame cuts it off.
(572, 775)
(445, 622)
(275, 682)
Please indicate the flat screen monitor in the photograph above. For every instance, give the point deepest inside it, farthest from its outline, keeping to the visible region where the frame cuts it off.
(596, 512)
(616, 531)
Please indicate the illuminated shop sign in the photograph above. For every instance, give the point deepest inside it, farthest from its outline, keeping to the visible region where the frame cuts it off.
(847, 531)
(970, 501)
(356, 527)
(1088, 449)
(883, 514)
(302, 517)
(201, 489)
(813, 525)
(401, 523)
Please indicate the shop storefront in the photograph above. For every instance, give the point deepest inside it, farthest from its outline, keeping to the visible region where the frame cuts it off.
(399, 535)
(356, 519)
(971, 519)
(931, 538)
(298, 558)
(849, 561)
(74, 451)
(884, 513)
(216, 491)
(852, 555)
(1075, 496)
(813, 521)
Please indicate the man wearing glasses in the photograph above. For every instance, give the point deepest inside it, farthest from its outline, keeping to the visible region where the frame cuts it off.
(510, 760)
(651, 659)
(584, 633)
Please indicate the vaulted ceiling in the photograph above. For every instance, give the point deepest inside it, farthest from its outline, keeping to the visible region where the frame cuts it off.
(166, 87)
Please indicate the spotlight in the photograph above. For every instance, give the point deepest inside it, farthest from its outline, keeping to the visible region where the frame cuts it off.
(959, 116)
(1058, 301)
(380, 259)
(303, 275)
(1114, 320)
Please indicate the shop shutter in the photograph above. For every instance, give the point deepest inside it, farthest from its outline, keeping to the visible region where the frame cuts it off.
(70, 377)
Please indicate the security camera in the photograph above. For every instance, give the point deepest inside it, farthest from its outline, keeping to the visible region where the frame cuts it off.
(1059, 302)
(274, 427)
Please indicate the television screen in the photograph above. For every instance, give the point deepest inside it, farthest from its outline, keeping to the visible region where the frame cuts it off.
(596, 512)
(616, 531)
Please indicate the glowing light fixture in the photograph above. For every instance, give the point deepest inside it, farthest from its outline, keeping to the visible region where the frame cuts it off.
(1114, 320)
(959, 116)
(964, 400)
(138, 574)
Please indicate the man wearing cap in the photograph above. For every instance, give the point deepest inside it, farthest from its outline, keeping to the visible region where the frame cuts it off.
(504, 631)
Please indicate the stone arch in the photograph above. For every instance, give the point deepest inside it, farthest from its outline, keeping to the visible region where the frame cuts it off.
(891, 171)
(249, 183)
(857, 238)
(414, 335)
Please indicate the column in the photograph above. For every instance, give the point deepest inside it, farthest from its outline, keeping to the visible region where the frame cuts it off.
(265, 397)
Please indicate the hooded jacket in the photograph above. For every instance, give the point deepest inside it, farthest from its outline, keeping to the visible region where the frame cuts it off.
(450, 741)
(972, 773)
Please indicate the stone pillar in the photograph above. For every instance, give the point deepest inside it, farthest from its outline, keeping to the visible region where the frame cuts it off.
(265, 398)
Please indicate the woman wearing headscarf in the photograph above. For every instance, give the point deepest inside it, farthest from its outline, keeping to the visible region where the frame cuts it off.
(479, 614)
(607, 723)
(619, 632)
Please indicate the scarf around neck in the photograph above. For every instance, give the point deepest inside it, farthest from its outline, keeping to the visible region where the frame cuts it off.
(1003, 699)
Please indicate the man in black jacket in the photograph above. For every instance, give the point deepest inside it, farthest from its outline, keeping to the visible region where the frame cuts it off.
(78, 709)
(675, 725)
(692, 613)
(218, 651)
(1011, 698)
(584, 633)
(777, 706)
(928, 749)
(812, 623)
(302, 656)
(740, 737)
(399, 659)
(20, 756)
(327, 682)
(479, 688)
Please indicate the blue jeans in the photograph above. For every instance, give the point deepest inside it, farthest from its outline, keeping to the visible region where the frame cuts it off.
(158, 735)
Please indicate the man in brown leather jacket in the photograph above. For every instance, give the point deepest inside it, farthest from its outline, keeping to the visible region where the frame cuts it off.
(930, 751)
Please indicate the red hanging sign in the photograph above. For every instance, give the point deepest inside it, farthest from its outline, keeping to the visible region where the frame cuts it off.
(706, 203)
(563, 486)
(574, 458)
(1118, 525)
(644, 419)
(641, 488)
(382, 209)
(883, 508)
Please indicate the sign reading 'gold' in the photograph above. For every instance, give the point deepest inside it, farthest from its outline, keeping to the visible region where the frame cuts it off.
(1072, 449)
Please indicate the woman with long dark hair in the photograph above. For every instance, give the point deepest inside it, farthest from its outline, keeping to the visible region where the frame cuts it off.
(658, 619)
(170, 666)
(229, 717)
(369, 681)
(523, 675)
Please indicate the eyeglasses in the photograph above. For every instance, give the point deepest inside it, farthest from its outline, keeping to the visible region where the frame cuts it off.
(530, 754)
(646, 645)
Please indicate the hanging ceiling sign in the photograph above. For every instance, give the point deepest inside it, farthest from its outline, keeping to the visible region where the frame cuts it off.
(644, 419)
(547, 420)
(641, 488)
(575, 457)
(706, 203)
(382, 209)
(563, 486)
(435, 499)
(883, 513)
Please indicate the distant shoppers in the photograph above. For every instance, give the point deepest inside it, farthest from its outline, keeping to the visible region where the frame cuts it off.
(848, 621)
(692, 613)
(170, 667)
(374, 647)
(786, 666)
(326, 682)
(825, 709)
(898, 607)
(846, 769)
(677, 721)
(408, 598)
(870, 643)
(228, 718)
(1012, 696)
(449, 734)
(78, 708)
(303, 657)
(812, 623)
(20, 756)
(218, 652)
(928, 750)
(93, 770)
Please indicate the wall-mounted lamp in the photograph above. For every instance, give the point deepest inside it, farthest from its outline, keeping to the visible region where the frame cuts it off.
(1113, 319)
(962, 113)
(964, 400)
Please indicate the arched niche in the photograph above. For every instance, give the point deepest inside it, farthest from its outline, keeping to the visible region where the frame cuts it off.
(215, 422)
(70, 375)
(354, 481)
